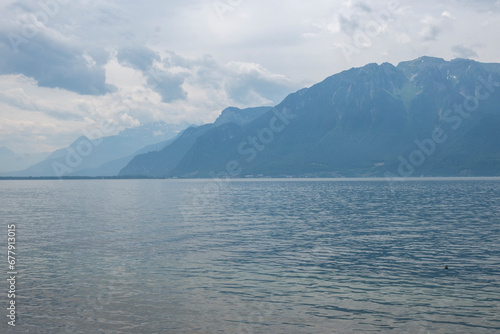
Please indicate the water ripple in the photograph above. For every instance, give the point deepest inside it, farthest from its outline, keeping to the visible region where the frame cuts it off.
(280, 256)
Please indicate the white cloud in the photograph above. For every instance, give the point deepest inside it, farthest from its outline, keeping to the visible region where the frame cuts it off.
(448, 15)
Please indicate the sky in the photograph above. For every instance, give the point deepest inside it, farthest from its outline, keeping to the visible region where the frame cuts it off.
(68, 67)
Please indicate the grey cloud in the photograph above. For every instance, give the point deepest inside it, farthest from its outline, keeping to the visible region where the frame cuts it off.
(168, 85)
(348, 25)
(172, 59)
(350, 22)
(355, 17)
(464, 52)
(54, 64)
(364, 7)
(482, 5)
(430, 32)
(139, 58)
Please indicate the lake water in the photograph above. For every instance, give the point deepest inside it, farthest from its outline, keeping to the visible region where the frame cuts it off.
(256, 256)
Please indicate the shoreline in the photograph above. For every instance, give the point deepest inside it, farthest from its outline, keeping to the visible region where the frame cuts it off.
(280, 178)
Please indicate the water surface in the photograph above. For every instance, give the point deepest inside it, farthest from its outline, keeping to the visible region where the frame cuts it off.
(260, 256)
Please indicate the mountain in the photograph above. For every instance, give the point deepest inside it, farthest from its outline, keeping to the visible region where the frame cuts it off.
(7, 159)
(160, 163)
(426, 117)
(104, 156)
(238, 116)
(113, 168)
(11, 161)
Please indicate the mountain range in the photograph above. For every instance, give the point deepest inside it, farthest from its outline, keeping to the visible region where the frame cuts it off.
(104, 156)
(161, 163)
(422, 117)
(425, 117)
(11, 161)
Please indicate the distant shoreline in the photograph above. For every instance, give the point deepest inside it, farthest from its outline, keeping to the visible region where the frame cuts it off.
(399, 179)
(27, 178)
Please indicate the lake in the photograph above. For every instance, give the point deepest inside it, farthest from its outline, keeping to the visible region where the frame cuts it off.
(254, 256)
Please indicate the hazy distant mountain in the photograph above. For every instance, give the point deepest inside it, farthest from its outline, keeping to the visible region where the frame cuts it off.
(7, 159)
(423, 117)
(11, 161)
(161, 163)
(112, 168)
(101, 157)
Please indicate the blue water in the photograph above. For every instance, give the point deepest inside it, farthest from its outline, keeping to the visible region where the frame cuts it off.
(265, 256)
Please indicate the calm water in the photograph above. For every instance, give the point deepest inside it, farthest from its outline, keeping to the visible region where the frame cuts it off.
(270, 256)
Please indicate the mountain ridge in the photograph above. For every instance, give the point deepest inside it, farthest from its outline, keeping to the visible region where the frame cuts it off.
(11, 161)
(161, 163)
(364, 122)
(89, 154)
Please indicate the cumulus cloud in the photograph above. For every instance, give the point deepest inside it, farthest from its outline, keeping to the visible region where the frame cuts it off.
(242, 84)
(163, 75)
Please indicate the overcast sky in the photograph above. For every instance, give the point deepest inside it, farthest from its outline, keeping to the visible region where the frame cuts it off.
(67, 66)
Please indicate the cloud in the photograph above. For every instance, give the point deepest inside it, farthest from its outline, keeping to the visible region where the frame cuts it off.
(156, 70)
(353, 16)
(21, 96)
(31, 48)
(175, 89)
(482, 5)
(251, 84)
(348, 25)
(242, 84)
(463, 52)
(168, 85)
(364, 7)
(431, 28)
(54, 65)
(448, 15)
(430, 32)
(140, 58)
(362, 22)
